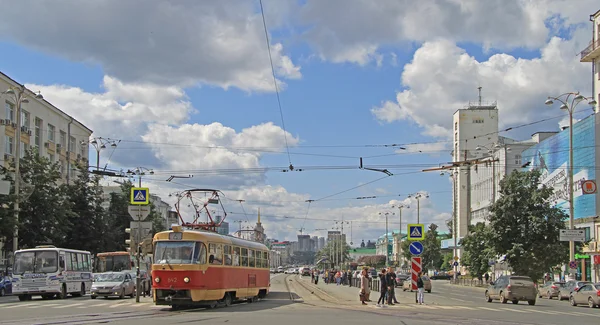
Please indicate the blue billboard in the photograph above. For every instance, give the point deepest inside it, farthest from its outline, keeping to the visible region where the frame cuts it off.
(551, 156)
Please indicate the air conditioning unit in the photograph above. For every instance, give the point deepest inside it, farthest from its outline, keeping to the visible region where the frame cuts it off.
(78, 156)
(593, 246)
(2, 122)
(46, 144)
(58, 146)
(29, 133)
(24, 129)
(13, 124)
(7, 121)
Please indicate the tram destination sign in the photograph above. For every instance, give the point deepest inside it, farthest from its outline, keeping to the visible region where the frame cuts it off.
(572, 235)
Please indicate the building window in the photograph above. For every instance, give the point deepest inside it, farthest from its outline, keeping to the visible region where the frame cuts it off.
(478, 120)
(38, 132)
(25, 119)
(518, 160)
(24, 149)
(51, 131)
(63, 139)
(455, 126)
(10, 111)
(586, 232)
(8, 147)
(71, 144)
(51, 158)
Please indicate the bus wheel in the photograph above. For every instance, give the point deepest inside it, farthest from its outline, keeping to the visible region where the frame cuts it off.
(227, 299)
(63, 292)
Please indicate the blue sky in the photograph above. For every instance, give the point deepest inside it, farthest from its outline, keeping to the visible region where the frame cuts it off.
(184, 78)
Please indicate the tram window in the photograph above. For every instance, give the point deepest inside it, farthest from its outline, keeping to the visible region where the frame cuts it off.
(236, 256)
(251, 262)
(265, 259)
(215, 254)
(227, 254)
(244, 257)
(200, 254)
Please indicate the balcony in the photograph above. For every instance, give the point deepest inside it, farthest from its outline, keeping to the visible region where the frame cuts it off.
(591, 52)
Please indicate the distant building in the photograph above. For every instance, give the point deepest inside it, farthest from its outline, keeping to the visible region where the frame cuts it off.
(334, 235)
(304, 243)
(162, 208)
(321, 243)
(357, 253)
(284, 251)
(224, 228)
(314, 242)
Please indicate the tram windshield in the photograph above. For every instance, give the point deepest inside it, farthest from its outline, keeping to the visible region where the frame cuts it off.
(180, 252)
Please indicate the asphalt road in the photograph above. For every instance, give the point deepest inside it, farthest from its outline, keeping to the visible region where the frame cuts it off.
(294, 300)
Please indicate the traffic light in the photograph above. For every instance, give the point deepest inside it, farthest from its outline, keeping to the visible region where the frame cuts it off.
(129, 242)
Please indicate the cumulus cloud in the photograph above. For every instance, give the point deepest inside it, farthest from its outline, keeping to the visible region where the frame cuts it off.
(175, 43)
(443, 77)
(355, 30)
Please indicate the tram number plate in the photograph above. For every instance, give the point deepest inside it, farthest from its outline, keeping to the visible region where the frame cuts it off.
(172, 280)
(175, 236)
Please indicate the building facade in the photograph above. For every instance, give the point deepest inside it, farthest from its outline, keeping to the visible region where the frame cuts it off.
(55, 134)
(223, 229)
(592, 54)
(284, 249)
(162, 208)
(551, 157)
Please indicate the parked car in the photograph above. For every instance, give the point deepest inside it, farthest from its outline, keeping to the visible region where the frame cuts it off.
(569, 287)
(587, 294)
(512, 288)
(407, 285)
(401, 278)
(441, 276)
(550, 289)
(5, 285)
(109, 284)
(305, 271)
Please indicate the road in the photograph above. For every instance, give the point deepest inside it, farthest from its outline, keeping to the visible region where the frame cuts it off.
(294, 300)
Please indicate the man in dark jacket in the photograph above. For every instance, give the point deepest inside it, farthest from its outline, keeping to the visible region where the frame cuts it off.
(383, 288)
(392, 286)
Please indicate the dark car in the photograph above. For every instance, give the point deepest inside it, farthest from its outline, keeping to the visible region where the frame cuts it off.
(441, 276)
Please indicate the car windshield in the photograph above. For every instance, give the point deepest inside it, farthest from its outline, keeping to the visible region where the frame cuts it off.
(181, 252)
(597, 286)
(36, 262)
(110, 277)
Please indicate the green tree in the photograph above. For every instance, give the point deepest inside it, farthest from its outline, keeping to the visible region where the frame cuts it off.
(332, 251)
(7, 213)
(118, 218)
(525, 227)
(89, 227)
(447, 260)
(477, 250)
(43, 216)
(158, 222)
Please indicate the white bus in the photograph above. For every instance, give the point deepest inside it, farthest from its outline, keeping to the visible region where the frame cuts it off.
(48, 271)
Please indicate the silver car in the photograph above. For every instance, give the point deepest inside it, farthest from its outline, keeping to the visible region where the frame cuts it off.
(119, 284)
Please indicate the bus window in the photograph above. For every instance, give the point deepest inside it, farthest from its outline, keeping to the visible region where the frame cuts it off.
(236, 256)
(68, 262)
(244, 257)
(61, 263)
(251, 262)
(227, 254)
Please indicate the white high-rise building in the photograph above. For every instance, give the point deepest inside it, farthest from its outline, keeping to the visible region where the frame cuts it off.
(592, 54)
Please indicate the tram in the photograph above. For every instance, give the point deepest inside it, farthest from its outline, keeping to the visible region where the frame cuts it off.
(200, 267)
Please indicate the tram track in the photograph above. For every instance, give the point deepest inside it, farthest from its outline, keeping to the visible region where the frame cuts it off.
(317, 292)
(286, 280)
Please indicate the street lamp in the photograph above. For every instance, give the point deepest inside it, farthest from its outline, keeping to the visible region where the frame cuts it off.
(99, 144)
(419, 196)
(387, 239)
(139, 171)
(569, 103)
(400, 207)
(19, 96)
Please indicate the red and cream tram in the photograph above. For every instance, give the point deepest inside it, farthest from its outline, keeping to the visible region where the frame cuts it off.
(196, 267)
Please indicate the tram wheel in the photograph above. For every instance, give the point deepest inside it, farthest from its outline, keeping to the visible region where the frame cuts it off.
(227, 299)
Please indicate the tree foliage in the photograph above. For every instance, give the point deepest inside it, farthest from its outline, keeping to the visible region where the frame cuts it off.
(335, 251)
(373, 260)
(525, 227)
(477, 250)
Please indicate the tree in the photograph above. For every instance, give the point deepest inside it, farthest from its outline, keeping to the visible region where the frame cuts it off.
(450, 225)
(525, 227)
(476, 249)
(89, 224)
(447, 260)
(43, 217)
(118, 218)
(332, 251)
(158, 223)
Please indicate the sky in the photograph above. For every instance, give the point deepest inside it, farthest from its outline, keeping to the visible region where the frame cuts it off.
(188, 88)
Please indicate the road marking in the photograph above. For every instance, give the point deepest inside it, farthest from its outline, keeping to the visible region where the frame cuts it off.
(488, 308)
(515, 310)
(457, 299)
(544, 312)
(584, 314)
(67, 306)
(458, 294)
(20, 305)
(43, 305)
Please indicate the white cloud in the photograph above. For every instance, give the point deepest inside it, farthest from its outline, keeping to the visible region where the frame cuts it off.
(354, 30)
(164, 42)
(442, 78)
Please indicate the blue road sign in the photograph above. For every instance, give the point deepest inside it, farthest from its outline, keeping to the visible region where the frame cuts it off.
(455, 264)
(416, 231)
(416, 248)
(140, 196)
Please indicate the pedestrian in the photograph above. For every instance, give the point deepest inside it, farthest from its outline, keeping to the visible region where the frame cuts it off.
(326, 277)
(364, 288)
(338, 278)
(420, 289)
(316, 277)
(390, 285)
(487, 277)
(393, 283)
(383, 288)
(349, 278)
(312, 276)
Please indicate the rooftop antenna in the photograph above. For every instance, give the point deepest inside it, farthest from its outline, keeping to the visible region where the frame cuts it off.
(479, 88)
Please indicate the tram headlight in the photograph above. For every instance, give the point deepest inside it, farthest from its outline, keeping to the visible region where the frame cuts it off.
(186, 280)
(157, 280)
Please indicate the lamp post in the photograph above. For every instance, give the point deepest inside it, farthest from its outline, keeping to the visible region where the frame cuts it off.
(99, 144)
(400, 207)
(569, 103)
(387, 239)
(19, 96)
(419, 196)
(139, 171)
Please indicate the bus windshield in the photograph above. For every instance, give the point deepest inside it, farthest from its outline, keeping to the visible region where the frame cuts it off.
(181, 252)
(113, 263)
(36, 262)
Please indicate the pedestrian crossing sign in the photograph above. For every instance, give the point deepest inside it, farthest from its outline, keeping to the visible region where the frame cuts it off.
(416, 231)
(140, 196)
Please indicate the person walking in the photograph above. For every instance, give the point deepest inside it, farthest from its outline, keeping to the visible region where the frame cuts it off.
(487, 277)
(317, 274)
(349, 278)
(364, 287)
(383, 288)
(392, 285)
(420, 289)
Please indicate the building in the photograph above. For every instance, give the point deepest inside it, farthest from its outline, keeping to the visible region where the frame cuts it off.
(223, 229)
(321, 243)
(552, 159)
(55, 134)
(274, 259)
(380, 246)
(356, 253)
(161, 208)
(314, 242)
(284, 249)
(398, 258)
(304, 243)
(334, 235)
(592, 54)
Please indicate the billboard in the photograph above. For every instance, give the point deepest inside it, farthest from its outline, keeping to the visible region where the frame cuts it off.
(551, 156)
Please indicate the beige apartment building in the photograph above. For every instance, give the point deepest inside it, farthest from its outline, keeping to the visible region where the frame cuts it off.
(56, 134)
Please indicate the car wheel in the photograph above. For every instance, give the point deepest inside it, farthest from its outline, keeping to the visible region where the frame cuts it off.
(531, 302)
(2, 292)
(572, 301)
(487, 297)
(82, 291)
(515, 302)
(428, 291)
(502, 298)
(93, 297)
(548, 295)
(591, 303)
(227, 299)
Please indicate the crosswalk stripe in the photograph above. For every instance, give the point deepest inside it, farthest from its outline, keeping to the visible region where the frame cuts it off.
(20, 305)
(487, 308)
(68, 306)
(543, 312)
(583, 314)
(514, 310)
